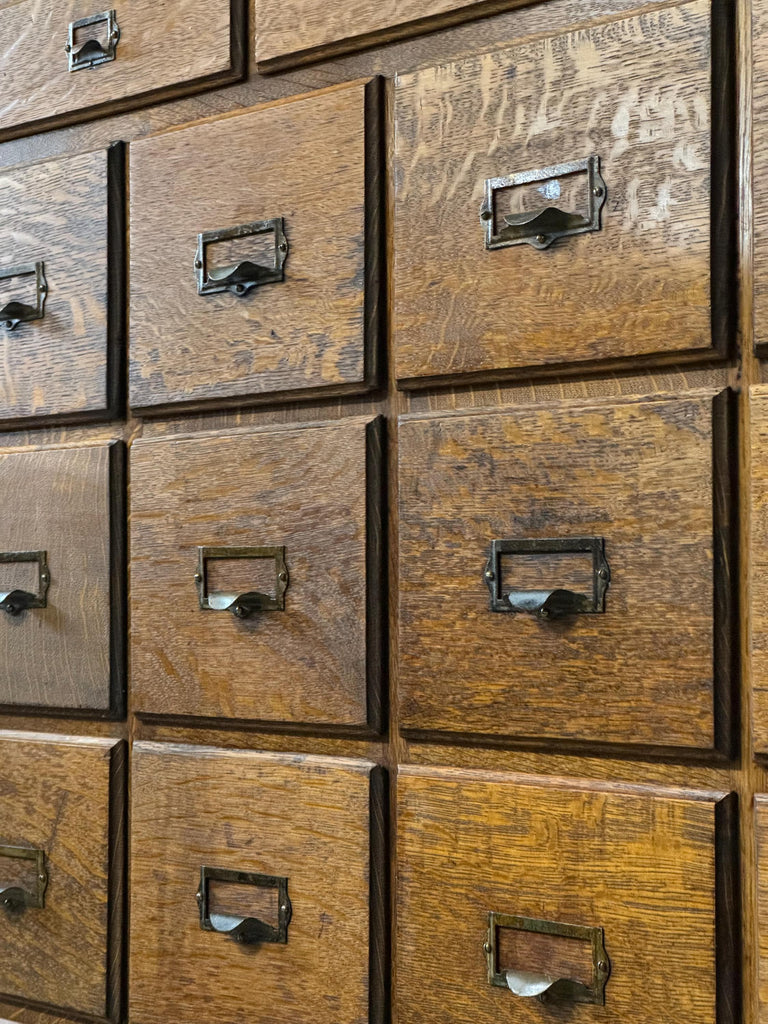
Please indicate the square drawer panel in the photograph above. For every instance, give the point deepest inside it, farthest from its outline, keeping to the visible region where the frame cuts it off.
(62, 578)
(605, 904)
(558, 202)
(564, 572)
(120, 57)
(256, 574)
(62, 294)
(253, 278)
(285, 853)
(61, 871)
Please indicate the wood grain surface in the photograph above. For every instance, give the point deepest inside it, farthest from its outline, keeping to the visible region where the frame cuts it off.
(761, 952)
(65, 655)
(759, 211)
(298, 816)
(56, 798)
(635, 92)
(758, 576)
(640, 476)
(57, 212)
(305, 332)
(302, 488)
(164, 49)
(641, 864)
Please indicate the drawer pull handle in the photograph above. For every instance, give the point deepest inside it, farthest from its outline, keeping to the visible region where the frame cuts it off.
(246, 604)
(538, 984)
(16, 312)
(93, 51)
(558, 601)
(15, 897)
(541, 226)
(240, 277)
(239, 928)
(15, 600)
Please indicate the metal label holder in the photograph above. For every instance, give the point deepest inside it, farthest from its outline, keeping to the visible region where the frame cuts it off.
(240, 278)
(14, 313)
(92, 52)
(246, 930)
(241, 605)
(15, 896)
(15, 601)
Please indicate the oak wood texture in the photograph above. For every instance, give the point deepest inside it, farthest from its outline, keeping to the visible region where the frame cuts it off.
(304, 817)
(640, 475)
(68, 502)
(761, 952)
(313, 489)
(316, 329)
(164, 50)
(66, 213)
(759, 138)
(645, 865)
(64, 795)
(758, 588)
(635, 92)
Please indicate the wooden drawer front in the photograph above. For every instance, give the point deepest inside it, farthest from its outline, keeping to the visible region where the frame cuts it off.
(304, 822)
(634, 93)
(760, 172)
(637, 477)
(644, 873)
(163, 49)
(310, 495)
(758, 560)
(314, 328)
(61, 255)
(761, 828)
(59, 929)
(62, 648)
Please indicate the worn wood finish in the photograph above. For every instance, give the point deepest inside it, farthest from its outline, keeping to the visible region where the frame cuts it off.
(298, 816)
(306, 332)
(68, 364)
(68, 502)
(758, 574)
(760, 174)
(164, 50)
(640, 863)
(641, 673)
(302, 488)
(64, 795)
(761, 829)
(636, 92)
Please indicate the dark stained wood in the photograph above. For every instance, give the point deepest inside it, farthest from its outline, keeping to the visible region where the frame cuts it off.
(298, 816)
(759, 154)
(308, 332)
(758, 567)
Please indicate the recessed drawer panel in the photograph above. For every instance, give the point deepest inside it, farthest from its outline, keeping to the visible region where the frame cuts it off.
(253, 277)
(564, 572)
(61, 864)
(66, 60)
(284, 852)
(62, 577)
(523, 899)
(557, 202)
(61, 287)
(256, 574)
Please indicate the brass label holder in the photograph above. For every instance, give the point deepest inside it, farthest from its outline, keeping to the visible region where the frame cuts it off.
(240, 278)
(14, 896)
(17, 312)
(245, 930)
(245, 604)
(93, 52)
(13, 602)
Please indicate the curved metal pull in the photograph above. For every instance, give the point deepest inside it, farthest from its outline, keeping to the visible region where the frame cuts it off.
(16, 896)
(241, 277)
(241, 605)
(244, 929)
(16, 600)
(550, 604)
(17, 312)
(93, 51)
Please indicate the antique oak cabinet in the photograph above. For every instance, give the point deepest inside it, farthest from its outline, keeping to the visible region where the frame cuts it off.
(384, 512)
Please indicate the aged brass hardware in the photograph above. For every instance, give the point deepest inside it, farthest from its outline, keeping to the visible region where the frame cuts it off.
(240, 278)
(15, 601)
(557, 602)
(538, 984)
(93, 52)
(247, 930)
(241, 605)
(14, 313)
(14, 896)
(540, 227)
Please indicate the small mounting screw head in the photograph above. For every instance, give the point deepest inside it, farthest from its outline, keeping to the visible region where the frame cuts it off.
(486, 948)
(239, 288)
(68, 48)
(239, 611)
(8, 324)
(283, 576)
(485, 214)
(603, 574)
(541, 239)
(199, 896)
(490, 574)
(198, 264)
(283, 247)
(198, 577)
(597, 191)
(41, 878)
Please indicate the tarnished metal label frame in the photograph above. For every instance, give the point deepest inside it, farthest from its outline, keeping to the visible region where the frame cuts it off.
(92, 53)
(240, 278)
(14, 601)
(14, 313)
(562, 989)
(540, 228)
(242, 605)
(249, 930)
(14, 896)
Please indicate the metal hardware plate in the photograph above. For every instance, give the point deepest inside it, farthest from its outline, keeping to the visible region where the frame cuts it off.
(14, 896)
(247, 930)
(241, 605)
(541, 227)
(16, 312)
(92, 53)
(240, 278)
(15, 601)
(561, 990)
(557, 602)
